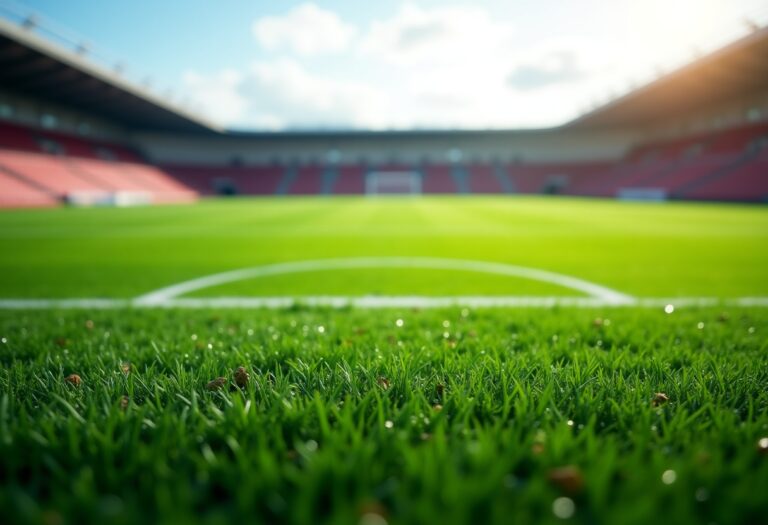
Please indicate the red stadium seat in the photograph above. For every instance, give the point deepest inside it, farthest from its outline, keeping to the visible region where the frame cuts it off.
(350, 180)
(438, 179)
(308, 181)
(483, 179)
(41, 178)
(15, 193)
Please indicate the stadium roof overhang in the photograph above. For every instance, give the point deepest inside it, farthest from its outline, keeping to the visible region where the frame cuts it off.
(739, 69)
(35, 67)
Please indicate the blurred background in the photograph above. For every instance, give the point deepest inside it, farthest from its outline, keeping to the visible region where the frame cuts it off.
(133, 102)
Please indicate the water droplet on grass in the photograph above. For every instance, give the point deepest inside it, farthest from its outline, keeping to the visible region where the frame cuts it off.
(669, 477)
(371, 518)
(563, 508)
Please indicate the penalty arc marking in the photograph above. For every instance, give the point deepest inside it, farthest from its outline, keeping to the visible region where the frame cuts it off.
(596, 295)
(595, 291)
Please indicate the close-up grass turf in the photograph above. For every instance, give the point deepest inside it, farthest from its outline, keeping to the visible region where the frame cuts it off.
(607, 415)
(456, 416)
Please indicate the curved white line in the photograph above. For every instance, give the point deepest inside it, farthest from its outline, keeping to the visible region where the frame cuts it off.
(595, 291)
(367, 302)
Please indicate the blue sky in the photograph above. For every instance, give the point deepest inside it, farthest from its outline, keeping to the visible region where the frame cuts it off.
(398, 64)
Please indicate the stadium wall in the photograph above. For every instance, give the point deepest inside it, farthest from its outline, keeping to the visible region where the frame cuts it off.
(535, 146)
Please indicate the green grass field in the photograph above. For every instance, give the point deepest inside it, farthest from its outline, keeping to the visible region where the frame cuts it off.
(642, 249)
(395, 415)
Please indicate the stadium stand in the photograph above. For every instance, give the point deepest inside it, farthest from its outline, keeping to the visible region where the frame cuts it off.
(551, 178)
(15, 193)
(745, 182)
(308, 181)
(438, 179)
(630, 147)
(724, 165)
(483, 178)
(40, 167)
(225, 180)
(46, 167)
(350, 180)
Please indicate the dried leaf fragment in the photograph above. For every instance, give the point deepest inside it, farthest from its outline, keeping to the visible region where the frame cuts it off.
(216, 384)
(568, 478)
(659, 398)
(241, 377)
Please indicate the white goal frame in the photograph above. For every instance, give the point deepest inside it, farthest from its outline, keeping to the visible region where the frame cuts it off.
(393, 183)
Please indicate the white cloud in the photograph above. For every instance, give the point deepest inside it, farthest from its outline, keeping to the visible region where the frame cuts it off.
(459, 35)
(303, 98)
(217, 95)
(306, 30)
(420, 67)
(471, 65)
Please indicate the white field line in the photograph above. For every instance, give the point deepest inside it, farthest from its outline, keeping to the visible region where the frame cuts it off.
(367, 302)
(168, 297)
(593, 290)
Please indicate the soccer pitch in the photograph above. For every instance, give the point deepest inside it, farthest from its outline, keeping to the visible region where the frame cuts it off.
(602, 409)
(642, 250)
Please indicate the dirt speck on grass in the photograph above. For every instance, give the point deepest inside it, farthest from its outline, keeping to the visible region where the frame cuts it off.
(568, 479)
(216, 384)
(659, 398)
(74, 380)
(241, 377)
(372, 513)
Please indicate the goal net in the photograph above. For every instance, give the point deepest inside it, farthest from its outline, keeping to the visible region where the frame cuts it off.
(393, 183)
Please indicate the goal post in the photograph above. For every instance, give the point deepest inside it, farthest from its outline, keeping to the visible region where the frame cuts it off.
(393, 183)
